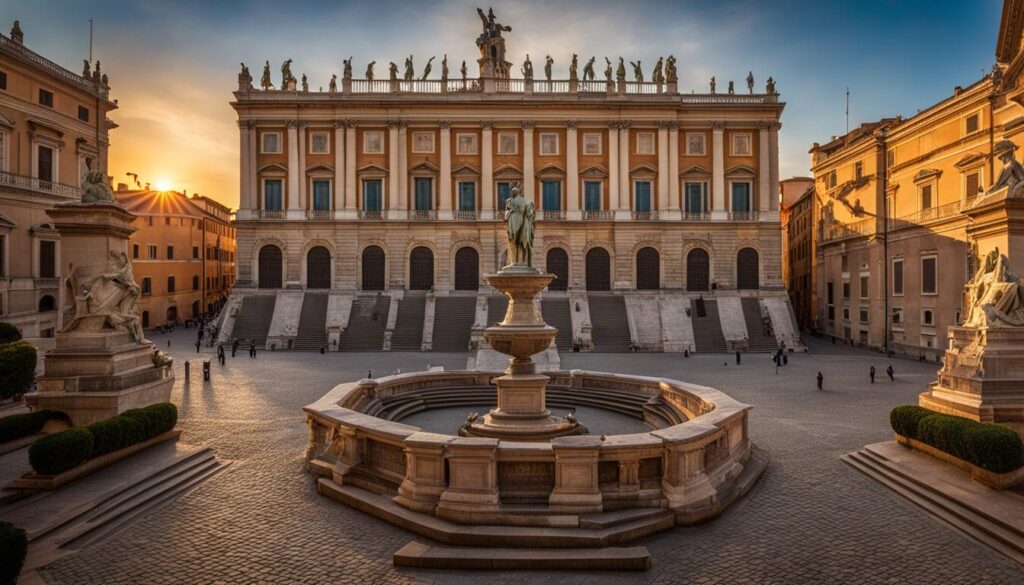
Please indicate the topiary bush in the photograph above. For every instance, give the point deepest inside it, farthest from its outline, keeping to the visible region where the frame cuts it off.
(992, 447)
(13, 548)
(904, 419)
(60, 451)
(17, 369)
(157, 418)
(22, 425)
(9, 333)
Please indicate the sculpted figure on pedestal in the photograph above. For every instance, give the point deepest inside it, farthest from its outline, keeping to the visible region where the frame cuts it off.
(244, 73)
(671, 73)
(656, 75)
(426, 70)
(393, 71)
(95, 188)
(305, 83)
(547, 67)
(463, 71)
(527, 68)
(444, 68)
(770, 86)
(608, 70)
(346, 68)
(713, 84)
(638, 71)
(620, 71)
(265, 82)
(750, 81)
(588, 70)
(519, 217)
(574, 68)
(1012, 175)
(369, 70)
(286, 73)
(732, 88)
(110, 294)
(995, 296)
(333, 85)
(410, 73)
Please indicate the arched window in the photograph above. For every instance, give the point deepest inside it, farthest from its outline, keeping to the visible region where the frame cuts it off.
(318, 268)
(599, 271)
(373, 268)
(747, 269)
(467, 269)
(270, 267)
(557, 263)
(46, 304)
(648, 269)
(421, 269)
(698, 270)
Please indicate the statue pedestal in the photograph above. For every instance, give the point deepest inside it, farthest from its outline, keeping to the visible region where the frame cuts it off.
(96, 370)
(982, 376)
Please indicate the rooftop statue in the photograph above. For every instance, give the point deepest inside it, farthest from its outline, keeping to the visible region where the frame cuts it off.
(444, 68)
(671, 73)
(732, 89)
(588, 69)
(520, 216)
(393, 71)
(96, 75)
(492, 28)
(638, 72)
(713, 84)
(369, 70)
(85, 69)
(305, 83)
(608, 70)
(574, 67)
(333, 85)
(245, 71)
(770, 86)
(346, 68)
(265, 81)
(527, 68)
(995, 296)
(96, 189)
(1012, 175)
(750, 81)
(620, 71)
(426, 69)
(410, 73)
(547, 67)
(463, 71)
(656, 75)
(286, 73)
(110, 294)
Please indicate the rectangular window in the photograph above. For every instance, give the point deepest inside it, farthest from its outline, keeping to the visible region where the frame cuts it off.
(373, 142)
(423, 142)
(270, 143)
(972, 184)
(195, 282)
(424, 193)
(929, 276)
(170, 252)
(508, 143)
(151, 251)
(372, 195)
(504, 192)
(47, 259)
(319, 143)
(897, 316)
(645, 142)
(170, 284)
(465, 144)
(321, 194)
(467, 196)
(926, 197)
(846, 313)
(46, 98)
(696, 194)
(135, 251)
(858, 170)
(3, 80)
(897, 277)
(832, 179)
(863, 315)
(552, 195)
(592, 143)
(846, 289)
(592, 195)
(195, 252)
(890, 158)
(928, 317)
(844, 263)
(741, 145)
(45, 163)
(147, 285)
(740, 197)
(972, 124)
(642, 196)
(272, 194)
(830, 297)
(548, 144)
(863, 287)
(695, 144)
(83, 113)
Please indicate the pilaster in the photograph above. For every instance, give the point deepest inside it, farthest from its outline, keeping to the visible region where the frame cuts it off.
(763, 168)
(572, 172)
(622, 212)
(529, 181)
(675, 204)
(394, 189)
(351, 194)
(662, 166)
(445, 188)
(293, 165)
(718, 171)
(487, 166)
(338, 200)
(613, 165)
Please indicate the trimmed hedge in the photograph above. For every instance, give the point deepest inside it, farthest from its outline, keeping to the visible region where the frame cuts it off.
(62, 451)
(994, 447)
(13, 548)
(17, 369)
(22, 425)
(9, 333)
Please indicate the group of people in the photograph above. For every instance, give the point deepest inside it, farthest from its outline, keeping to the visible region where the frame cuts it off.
(889, 371)
(234, 350)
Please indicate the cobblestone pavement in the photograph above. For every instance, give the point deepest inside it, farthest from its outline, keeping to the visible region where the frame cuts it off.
(810, 519)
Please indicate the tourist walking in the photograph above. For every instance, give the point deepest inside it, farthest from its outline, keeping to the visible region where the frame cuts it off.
(820, 379)
(197, 346)
(252, 349)
(737, 358)
(891, 372)
(234, 348)
(872, 374)
(220, 354)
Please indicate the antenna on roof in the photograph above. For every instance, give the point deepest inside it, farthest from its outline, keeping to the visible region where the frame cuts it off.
(90, 40)
(847, 109)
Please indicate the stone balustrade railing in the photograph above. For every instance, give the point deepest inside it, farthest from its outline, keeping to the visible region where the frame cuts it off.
(22, 52)
(13, 181)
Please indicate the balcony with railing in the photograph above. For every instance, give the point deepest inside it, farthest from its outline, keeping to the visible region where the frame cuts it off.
(272, 213)
(373, 214)
(422, 214)
(598, 215)
(466, 214)
(696, 216)
(928, 215)
(742, 216)
(319, 214)
(551, 214)
(839, 231)
(52, 188)
(651, 215)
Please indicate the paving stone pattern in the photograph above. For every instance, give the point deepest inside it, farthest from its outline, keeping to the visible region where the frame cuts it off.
(811, 518)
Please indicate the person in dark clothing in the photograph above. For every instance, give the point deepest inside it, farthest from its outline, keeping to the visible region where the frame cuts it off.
(234, 348)
(820, 380)
(220, 354)
(252, 349)
(872, 374)
(737, 358)
(197, 346)
(891, 372)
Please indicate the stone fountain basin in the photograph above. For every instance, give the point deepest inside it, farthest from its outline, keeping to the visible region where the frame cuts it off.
(521, 341)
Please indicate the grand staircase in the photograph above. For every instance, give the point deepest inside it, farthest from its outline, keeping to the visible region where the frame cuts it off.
(556, 313)
(609, 322)
(366, 324)
(755, 327)
(453, 322)
(408, 334)
(496, 308)
(312, 333)
(253, 321)
(707, 330)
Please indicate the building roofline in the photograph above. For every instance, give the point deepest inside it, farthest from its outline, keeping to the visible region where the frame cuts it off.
(39, 63)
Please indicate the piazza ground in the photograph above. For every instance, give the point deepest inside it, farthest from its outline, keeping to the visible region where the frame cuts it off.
(810, 519)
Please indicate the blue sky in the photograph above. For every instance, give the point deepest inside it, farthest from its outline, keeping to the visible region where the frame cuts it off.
(173, 65)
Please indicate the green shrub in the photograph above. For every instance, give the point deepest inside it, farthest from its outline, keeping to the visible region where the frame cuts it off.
(904, 419)
(13, 548)
(17, 369)
(115, 433)
(60, 451)
(993, 447)
(157, 418)
(996, 448)
(23, 425)
(9, 333)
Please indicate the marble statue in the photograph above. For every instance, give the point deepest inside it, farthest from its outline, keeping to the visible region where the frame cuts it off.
(110, 294)
(656, 75)
(574, 68)
(427, 68)
(85, 69)
(333, 85)
(444, 68)
(265, 81)
(96, 75)
(713, 84)
(750, 81)
(547, 67)
(1011, 177)
(286, 73)
(305, 83)
(995, 296)
(608, 70)
(95, 188)
(732, 88)
(463, 71)
(527, 68)
(245, 71)
(638, 71)
(620, 71)
(369, 70)
(492, 28)
(410, 73)
(346, 68)
(393, 71)
(671, 73)
(519, 217)
(770, 86)
(588, 70)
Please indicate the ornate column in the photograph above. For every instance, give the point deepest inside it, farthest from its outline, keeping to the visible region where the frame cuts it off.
(763, 168)
(572, 171)
(302, 203)
(622, 212)
(529, 181)
(338, 201)
(293, 168)
(675, 204)
(403, 167)
(613, 165)
(773, 168)
(445, 188)
(487, 169)
(394, 190)
(245, 195)
(663, 173)
(718, 171)
(351, 194)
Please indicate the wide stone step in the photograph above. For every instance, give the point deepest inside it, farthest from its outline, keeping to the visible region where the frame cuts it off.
(432, 556)
(607, 519)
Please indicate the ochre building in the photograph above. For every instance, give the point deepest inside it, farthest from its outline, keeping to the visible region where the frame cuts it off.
(798, 244)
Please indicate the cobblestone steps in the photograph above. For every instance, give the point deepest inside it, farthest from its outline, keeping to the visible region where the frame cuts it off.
(432, 556)
(408, 334)
(366, 324)
(556, 313)
(758, 341)
(253, 321)
(609, 323)
(312, 332)
(453, 322)
(707, 330)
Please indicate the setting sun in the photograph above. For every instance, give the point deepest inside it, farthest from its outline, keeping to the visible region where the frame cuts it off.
(162, 185)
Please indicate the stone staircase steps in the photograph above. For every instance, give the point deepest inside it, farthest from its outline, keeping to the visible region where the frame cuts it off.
(755, 327)
(432, 556)
(453, 322)
(408, 333)
(707, 330)
(556, 313)
(312, 331)
(609, 322)
(253, 321)
(366, 324)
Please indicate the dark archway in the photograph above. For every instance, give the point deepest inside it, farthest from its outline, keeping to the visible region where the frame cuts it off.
(270, 267)
(747, 270)
(318, 268)
(599, 270)
(557, 263)
(373, 268)
(46, 304)
(172, 314)
(648, 269)
(421, 269)
(698, 270)
(467, 269)
(145, 318)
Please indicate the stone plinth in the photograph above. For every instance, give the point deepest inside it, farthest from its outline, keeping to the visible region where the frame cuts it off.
(982, 376)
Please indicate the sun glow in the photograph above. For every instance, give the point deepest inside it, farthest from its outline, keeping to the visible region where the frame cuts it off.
(162, 184)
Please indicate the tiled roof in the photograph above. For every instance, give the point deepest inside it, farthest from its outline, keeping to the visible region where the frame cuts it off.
(169, 203)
